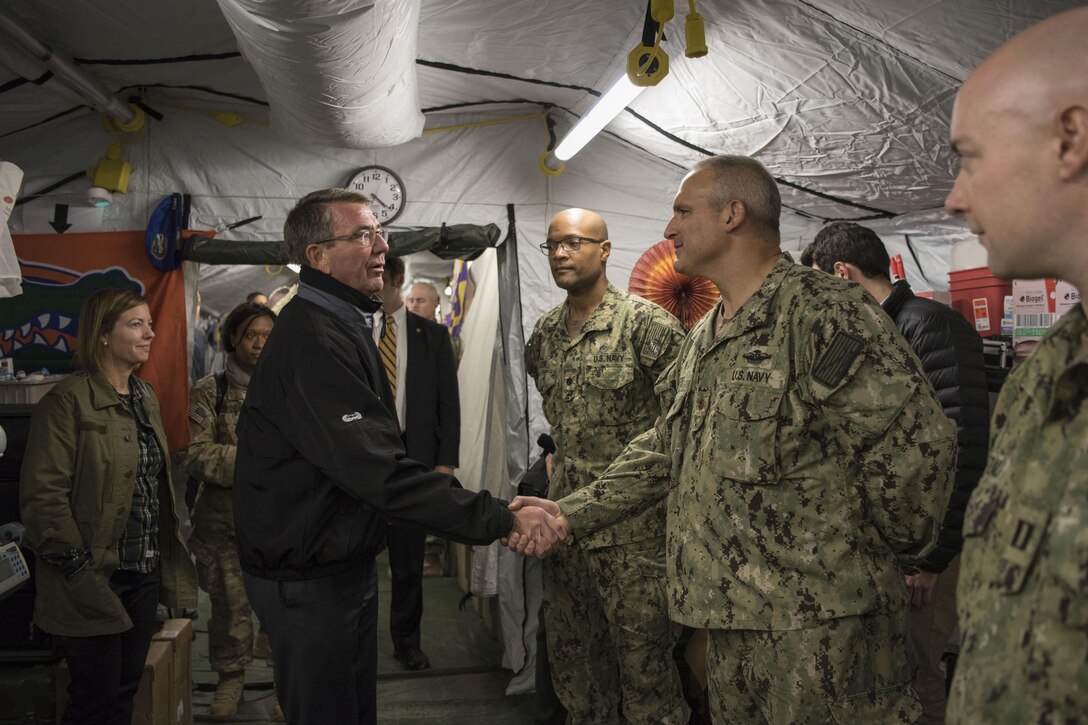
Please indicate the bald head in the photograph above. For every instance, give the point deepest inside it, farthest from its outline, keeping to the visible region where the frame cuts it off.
(1020, 128)
(590, 223)
(578, 249)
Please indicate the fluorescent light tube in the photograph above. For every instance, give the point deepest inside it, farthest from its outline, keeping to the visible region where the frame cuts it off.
(607, 107)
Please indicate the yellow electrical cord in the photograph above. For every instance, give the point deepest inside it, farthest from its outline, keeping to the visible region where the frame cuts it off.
(653, 51)
(227, 118)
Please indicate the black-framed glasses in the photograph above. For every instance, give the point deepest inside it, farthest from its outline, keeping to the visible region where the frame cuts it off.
(363, 236)
(569, 244)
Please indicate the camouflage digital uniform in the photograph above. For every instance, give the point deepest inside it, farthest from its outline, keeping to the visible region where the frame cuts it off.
(211, 459)
(609, 636)
(1023, 589)
(810, 461)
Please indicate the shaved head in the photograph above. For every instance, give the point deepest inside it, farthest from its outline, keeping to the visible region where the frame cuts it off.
(589, 223)
(582, 270)
(1020, 128)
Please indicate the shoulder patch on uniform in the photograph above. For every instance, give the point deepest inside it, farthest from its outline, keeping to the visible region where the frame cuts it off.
(198, 413)
(832, 366)
(655, 343)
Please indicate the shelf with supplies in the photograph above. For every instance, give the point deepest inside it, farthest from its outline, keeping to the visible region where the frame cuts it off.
(27, 391)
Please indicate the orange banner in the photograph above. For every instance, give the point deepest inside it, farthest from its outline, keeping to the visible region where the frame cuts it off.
(59, 271)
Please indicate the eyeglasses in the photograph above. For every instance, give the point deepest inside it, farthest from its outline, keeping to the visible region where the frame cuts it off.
(363, 236)
(569, 244)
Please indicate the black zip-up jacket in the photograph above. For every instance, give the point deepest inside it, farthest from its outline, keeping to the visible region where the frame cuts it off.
(320, 462)
(951, 353)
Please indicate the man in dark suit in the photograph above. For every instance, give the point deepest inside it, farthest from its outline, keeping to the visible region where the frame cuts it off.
(418, 360)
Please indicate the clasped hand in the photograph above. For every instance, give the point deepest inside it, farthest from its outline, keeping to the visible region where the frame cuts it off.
(539, 526)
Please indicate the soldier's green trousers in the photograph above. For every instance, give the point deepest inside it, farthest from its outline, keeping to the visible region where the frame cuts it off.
(848, 670)
(609, 637)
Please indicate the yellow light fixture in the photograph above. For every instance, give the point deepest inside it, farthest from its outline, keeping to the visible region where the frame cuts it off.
(646, 66)
(694, 33)
(111, 173)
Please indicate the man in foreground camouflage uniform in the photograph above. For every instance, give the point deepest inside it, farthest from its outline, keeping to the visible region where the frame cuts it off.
(1020, 127)
(595, 358)
(810, 460)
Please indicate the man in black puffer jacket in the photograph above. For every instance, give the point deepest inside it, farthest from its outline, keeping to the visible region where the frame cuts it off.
(951, 354)
(321, 467)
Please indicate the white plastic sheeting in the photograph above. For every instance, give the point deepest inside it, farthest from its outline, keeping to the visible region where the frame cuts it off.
(336, 72)
(11, 176)
(846, 102)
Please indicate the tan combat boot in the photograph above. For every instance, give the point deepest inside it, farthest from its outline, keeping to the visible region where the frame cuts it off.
(228, 693)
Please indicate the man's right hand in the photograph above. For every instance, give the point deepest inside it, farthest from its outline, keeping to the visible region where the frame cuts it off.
(539, 526)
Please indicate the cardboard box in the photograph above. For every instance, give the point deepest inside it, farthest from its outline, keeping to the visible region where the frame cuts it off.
(152, 704)
(1038, 303)
(178, 633)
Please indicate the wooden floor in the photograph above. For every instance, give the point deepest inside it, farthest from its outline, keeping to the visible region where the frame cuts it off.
(464, 685)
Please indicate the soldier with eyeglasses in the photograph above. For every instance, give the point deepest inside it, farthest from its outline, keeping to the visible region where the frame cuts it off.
(595, 358)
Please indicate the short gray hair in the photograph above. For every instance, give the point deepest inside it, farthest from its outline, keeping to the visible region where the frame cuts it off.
(739, 178)
(310, 221)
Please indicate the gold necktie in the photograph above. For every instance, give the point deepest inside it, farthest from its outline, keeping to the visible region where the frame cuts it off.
(388, 349)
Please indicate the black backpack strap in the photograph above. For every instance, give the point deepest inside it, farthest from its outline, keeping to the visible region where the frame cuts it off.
(220, 390)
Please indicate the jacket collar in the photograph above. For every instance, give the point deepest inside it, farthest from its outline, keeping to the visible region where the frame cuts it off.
(102, 393)
(901, 292)
(324, 283)
(756, 309)
(602, 317)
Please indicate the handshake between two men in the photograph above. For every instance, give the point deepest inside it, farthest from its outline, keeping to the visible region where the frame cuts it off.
(539, 526)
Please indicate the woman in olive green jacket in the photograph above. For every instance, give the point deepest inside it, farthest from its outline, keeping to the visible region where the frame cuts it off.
(98, 506)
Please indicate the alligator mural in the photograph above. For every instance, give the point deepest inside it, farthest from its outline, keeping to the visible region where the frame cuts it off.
(38, 328)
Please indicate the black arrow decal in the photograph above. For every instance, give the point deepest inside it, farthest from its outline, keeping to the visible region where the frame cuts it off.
(60, 219)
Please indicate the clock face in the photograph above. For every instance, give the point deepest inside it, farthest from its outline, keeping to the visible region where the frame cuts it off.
(385, 190)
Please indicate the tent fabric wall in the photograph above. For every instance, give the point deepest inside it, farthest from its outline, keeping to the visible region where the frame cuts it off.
(847, 103)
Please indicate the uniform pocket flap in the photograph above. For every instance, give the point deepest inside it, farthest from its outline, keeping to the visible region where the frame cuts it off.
(747, 449)
(609, 376)
(749, 403)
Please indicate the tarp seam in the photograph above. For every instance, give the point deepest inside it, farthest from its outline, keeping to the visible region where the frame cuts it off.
(878, 213)
(158, 61)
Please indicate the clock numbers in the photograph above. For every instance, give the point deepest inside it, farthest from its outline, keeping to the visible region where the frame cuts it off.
(385, 190)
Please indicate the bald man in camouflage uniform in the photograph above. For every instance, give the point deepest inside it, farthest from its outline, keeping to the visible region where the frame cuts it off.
(810, 461)
(1020, 125)
(595, 359)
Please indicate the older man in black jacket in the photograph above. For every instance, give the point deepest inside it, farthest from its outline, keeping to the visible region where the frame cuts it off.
(321, 466)
(951, 354)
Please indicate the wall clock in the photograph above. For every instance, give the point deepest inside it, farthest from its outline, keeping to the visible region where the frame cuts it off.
(385, 189)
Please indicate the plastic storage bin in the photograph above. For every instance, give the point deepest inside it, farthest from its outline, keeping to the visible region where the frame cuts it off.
(980, 297)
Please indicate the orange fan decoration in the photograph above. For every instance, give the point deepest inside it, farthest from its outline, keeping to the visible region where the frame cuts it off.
(655, 278)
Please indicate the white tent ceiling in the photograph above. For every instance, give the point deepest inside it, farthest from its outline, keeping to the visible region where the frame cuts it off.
(846, 102)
